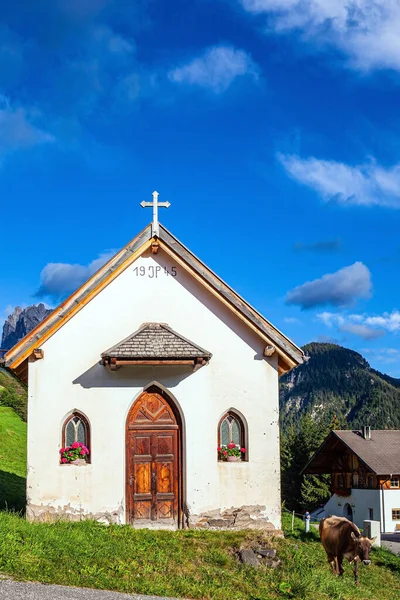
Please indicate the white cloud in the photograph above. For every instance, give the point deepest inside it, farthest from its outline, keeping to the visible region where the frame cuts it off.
(292, 321)
(352, 323)
(362, 331)
(366, 31)
(342, 288)
(386, 355)
(18, 129)
(364, 185)
(389, 321)
(216, 69)
(362, 325)
(59, 279)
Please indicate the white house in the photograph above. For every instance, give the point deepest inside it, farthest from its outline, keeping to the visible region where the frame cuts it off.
(365, 469)
(152, 364)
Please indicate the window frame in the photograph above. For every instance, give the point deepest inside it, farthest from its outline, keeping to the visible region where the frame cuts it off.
(397, 486)
(86, 424)
(394, 516)
(242, 429)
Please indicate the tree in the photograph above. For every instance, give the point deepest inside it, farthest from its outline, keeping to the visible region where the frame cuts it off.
(298, 445)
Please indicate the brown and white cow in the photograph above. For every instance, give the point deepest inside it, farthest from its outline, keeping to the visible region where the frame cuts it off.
(342, 539)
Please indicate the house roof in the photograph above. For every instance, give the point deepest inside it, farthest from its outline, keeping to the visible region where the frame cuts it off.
(289, 354)
(155, 341)
(380, 453)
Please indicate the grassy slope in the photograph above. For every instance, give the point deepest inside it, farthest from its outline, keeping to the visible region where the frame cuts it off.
(13, 393)
(191, 564)
(12, 459)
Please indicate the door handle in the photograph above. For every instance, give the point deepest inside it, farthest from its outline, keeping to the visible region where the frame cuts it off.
(131, 478)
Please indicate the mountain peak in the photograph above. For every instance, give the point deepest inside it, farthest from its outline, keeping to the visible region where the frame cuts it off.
(20, 322)
(338, 380)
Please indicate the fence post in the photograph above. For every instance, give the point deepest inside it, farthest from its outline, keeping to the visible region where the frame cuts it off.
(307, 518)
(292, 521)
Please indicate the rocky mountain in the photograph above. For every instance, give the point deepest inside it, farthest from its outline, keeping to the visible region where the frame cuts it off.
(20, 322)
(336, 380)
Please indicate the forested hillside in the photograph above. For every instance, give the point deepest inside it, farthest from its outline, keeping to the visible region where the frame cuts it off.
(336, 380)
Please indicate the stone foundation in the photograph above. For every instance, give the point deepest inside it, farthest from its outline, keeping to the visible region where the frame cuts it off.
(244, 517)
(47, 513)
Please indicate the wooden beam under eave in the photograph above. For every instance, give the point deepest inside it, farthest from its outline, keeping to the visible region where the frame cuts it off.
(283, 365)
(121, 363)
(22, 371)
(115, 364)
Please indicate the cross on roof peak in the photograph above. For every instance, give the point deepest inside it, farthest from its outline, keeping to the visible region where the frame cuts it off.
(155, 204)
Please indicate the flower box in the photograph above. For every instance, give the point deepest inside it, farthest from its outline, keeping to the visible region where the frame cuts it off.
(76, 454)
(231, 452)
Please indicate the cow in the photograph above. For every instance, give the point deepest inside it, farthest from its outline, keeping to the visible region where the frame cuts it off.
(342, 539)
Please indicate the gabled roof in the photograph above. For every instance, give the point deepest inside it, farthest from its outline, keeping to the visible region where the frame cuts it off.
(380, 453)
(155, 341)
(289, 354)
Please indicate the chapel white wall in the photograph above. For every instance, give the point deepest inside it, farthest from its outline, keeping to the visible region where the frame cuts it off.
(70, 377)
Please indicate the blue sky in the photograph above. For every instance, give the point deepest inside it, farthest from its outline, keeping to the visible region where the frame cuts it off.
(271, 126)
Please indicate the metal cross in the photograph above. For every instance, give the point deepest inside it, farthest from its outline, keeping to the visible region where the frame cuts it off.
(155, 204)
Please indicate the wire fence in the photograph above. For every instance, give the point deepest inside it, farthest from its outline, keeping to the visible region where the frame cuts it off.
(305, 517)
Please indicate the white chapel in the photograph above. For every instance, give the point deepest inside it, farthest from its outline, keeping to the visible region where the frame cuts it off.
(153, 396)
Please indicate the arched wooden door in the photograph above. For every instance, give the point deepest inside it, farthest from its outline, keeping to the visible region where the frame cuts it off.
(153, 486)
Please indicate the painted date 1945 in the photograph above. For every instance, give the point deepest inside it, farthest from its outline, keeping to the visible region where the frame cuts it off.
(154, 271)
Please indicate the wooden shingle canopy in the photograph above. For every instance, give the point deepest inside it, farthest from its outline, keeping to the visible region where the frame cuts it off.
(155, 344)
(380, 453)
(289, 355)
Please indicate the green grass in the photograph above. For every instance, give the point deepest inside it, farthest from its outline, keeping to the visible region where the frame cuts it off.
(13, 393)
(187, 564)
(191, 564)
(12, 459)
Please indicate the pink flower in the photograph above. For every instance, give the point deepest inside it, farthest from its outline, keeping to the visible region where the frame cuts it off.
(219, 449)
(62, 450)
(64, 460)
(75, 445)
(224, 453)
(243, 450)
(82, 452)
(231, 446)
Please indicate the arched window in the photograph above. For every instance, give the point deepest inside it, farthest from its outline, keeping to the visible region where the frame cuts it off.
(76, 429)
(231, 428)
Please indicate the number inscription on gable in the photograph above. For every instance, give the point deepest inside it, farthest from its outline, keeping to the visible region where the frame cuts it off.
(154, 271)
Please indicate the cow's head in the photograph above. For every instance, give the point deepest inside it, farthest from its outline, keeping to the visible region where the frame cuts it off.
(363, 546)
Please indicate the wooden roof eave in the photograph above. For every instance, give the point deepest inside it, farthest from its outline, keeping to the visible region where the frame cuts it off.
(288, 359)
(289, 354)
(310, 470)
(76, 301)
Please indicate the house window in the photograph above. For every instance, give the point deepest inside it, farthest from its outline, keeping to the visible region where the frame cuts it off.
(396, 514)
(76, 429)
(231, 429)
(395, 483)
(371, 514)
